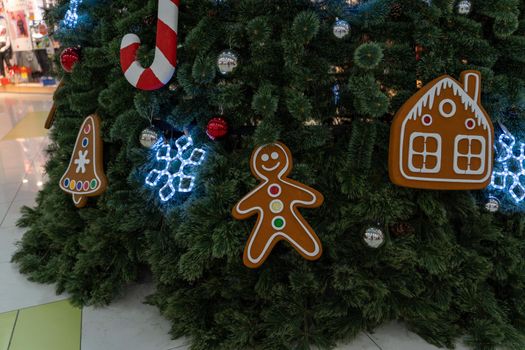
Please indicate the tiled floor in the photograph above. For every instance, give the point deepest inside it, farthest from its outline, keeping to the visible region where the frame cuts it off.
(127, 324)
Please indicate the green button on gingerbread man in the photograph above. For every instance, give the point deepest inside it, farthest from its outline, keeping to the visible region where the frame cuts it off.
(276, 201)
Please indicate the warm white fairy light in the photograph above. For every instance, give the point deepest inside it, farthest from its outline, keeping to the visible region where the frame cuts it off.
(184, 162)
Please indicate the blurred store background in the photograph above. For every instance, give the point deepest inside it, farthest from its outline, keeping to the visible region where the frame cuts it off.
(26, 47)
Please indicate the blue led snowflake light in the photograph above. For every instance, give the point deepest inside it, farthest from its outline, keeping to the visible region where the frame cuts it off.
(509, 170)
(71, 18)
(178, 167)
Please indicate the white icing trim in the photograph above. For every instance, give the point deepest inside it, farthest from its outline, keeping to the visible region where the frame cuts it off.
(467, 79)
(272, 168)
(437, 154)
(80, 199)
(428, 99)
(469, 155)
(442, 109)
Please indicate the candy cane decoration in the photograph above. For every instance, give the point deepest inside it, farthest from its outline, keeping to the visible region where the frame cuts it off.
(163, 67)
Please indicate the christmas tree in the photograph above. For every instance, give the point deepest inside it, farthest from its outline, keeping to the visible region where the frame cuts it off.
(325, 78)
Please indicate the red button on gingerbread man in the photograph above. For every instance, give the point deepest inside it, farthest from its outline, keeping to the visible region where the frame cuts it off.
(276, 201)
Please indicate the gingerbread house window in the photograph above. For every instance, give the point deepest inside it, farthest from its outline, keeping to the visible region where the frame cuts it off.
(469, 154)
(425, 153)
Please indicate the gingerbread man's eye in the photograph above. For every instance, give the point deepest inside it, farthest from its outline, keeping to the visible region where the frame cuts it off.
(265, 157)
(275, 155)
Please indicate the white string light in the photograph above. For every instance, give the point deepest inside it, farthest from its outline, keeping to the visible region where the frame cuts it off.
(510, 174)
(71, 18)
(179, 167)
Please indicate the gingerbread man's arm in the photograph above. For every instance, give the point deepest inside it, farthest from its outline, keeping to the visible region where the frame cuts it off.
(249, 205)
(305, 194)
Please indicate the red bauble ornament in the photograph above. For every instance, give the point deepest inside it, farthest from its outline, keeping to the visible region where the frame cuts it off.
(69, 57)
(217, 128)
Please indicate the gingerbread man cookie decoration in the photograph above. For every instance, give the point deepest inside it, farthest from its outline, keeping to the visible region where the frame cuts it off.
(276, 201)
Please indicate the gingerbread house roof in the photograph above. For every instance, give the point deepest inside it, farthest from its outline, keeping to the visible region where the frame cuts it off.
(432, 95)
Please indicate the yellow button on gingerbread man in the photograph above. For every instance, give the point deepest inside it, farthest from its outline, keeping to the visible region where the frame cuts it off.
(276, 201)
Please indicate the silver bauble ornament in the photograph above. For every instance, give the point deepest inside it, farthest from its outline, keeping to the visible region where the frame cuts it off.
(492, 205)
(227, 62)
(374, 237)
(464, 7)
(341, 28)
(149, 137)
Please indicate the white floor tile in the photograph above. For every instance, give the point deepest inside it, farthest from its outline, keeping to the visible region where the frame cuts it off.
(14, 213)
(17, 292)
(8, 239)
(362, 342)
(20, 158)
(395, 336)
(8, 192)
(4, 207)
(11, 175)
(127, 324)
(14, 107)
(29, 189)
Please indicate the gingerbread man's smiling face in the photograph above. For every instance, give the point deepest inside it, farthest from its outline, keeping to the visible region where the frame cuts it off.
(273, 160)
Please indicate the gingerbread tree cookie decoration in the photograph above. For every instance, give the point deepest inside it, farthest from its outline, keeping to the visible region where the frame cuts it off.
(442, 138)
(276, 201)
(85, 176)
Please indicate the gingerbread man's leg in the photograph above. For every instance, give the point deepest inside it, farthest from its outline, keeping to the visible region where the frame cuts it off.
(267, 233)
(301, 236)
(261, 242)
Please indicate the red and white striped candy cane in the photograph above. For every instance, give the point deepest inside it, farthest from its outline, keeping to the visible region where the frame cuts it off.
(163, 67)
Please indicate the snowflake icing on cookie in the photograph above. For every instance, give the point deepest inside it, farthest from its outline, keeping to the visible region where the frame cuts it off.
(82, 161)
(178, 166)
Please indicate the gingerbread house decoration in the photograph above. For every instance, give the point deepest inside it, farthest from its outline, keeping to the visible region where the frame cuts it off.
(442, 138)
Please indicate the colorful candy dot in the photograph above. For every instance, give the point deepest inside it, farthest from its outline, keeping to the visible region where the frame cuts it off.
(276, 206)
(86, 185)
(470, 124)
(93, 184)
(79, 185)
(72, 185)
(85, 142)
(278, 222)
(87, 129)
(274, 190)
(66, 183)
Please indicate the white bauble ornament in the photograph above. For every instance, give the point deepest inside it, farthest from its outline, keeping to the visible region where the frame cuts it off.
(374, 237)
